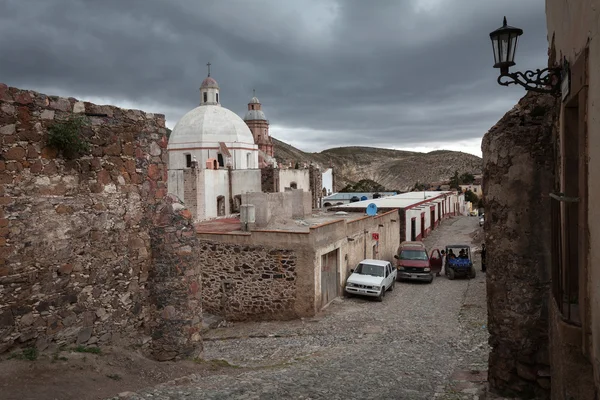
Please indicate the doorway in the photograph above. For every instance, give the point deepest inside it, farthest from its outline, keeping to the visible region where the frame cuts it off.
(220, 206)
(413, 229)
(329, 277)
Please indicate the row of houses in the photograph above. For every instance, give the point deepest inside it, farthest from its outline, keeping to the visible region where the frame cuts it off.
(420, 212)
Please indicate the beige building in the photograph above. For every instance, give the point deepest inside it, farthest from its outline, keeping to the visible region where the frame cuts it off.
(573, 35)
(292, 267)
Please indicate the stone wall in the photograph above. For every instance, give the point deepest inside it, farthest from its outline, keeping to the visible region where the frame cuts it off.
(269, 179)
(173, 320)
(316, 185)
(518, 177)
(242, 282)
(76, 235)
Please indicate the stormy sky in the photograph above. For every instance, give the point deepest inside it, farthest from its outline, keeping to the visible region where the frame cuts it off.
(405, 74)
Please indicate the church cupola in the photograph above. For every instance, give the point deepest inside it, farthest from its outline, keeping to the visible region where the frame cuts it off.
(209, 91)
(259, 126)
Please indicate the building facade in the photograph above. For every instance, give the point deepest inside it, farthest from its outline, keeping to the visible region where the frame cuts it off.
(419, 212)
(541, 170)
(574, 37)
(284, 273)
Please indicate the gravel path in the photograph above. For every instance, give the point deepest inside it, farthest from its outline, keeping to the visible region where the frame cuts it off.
(417, 344)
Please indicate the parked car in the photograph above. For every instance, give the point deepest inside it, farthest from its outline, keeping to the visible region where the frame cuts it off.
(461, 264)
(371, 278)
(481, 220)
(413, 262)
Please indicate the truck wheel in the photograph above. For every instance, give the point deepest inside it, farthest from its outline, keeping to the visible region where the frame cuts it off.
(430, 279)
(392, 285)
(472, 273)
(451, 274)
(381, 295)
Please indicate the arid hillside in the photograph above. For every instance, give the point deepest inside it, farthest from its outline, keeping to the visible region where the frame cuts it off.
(394, 169)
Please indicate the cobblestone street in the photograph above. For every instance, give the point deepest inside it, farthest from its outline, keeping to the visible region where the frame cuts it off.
(424, 341)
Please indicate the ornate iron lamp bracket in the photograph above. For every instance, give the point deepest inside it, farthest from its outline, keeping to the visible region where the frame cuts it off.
(547, 80)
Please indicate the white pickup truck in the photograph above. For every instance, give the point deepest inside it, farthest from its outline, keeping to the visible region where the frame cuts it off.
(371, 278)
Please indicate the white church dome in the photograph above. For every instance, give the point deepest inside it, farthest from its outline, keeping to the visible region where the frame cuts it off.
(210, 123)
(254, 115)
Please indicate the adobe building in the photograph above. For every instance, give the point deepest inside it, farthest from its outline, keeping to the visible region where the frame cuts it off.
(288, 268)
(541, 174)
(419, 212)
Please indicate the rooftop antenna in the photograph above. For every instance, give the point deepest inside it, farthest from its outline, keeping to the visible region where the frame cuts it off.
(208, 65)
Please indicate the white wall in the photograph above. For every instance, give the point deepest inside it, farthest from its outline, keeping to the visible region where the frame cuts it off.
(300, 176)
(244, 181)
(175, 183)
(239, 153)
(327, 178)
(218, 182)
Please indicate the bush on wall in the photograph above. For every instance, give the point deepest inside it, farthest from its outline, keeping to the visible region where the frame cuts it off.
(66, 136)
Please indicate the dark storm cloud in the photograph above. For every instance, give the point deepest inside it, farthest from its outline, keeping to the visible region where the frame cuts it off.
(346, 72)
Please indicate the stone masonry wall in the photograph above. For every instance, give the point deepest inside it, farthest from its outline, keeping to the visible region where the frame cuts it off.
(269, 179)
(174, 319)
(248, 282)
(518, 177)
(316, 185)
(76, 235)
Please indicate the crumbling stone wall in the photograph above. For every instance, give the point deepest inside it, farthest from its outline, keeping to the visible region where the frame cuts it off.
(269, 179)
(76, 235)
(174, 284)
(316, 185)
(518, 177)
(248, 282)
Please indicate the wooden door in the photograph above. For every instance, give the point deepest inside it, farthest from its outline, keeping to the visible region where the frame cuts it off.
(329, 277)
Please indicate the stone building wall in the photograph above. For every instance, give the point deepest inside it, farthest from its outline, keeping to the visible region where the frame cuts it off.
(269, 179)
(518, 155)
(316, 185)
(76, 235)
(242, 282)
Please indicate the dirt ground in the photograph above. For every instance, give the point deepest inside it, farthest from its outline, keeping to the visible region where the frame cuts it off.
(81, 375)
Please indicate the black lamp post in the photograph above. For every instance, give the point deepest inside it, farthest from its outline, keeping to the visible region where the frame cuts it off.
(504, 42)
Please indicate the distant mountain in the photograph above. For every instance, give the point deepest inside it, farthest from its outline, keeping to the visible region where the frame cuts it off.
(394, 169)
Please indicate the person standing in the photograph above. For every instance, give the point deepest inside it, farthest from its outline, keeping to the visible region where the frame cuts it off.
(483, 257)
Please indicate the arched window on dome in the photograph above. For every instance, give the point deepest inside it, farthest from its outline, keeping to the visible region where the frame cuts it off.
(217, 97)
(205, 97)
(252, 106)
(248, 160)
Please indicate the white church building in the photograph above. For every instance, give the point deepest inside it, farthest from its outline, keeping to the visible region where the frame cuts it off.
(213, 158)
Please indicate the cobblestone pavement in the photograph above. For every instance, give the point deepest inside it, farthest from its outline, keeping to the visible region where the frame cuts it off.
(425, 341)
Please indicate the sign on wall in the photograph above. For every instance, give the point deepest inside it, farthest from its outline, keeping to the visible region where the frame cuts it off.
(375, 236)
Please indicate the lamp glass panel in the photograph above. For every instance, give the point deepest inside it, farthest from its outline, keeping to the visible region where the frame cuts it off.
(496, 52)
(513, 48)
(504, 42)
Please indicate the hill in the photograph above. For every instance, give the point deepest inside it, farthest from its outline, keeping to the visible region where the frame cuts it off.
(394, 169)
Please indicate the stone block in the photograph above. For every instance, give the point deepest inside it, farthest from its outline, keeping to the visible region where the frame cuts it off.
(47, 115)
(79, 107)
(8, 129)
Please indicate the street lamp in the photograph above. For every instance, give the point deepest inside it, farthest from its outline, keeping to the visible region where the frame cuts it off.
(504, 42)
